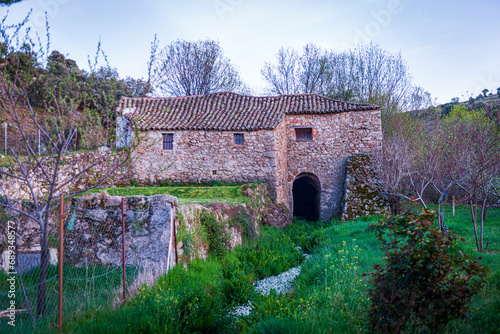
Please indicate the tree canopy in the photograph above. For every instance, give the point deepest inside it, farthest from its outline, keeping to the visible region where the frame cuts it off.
(8, 2)
(186, 68)
(366, 74)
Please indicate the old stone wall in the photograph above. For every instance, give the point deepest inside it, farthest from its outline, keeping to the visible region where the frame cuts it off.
(281, 175)
(238, 220)
(275, 157)
(93, 231)
(203, 156)
(335, 138)
(360, 198)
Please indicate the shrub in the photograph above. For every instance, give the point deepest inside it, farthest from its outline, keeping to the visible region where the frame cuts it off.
(307, 235)
(426, 281)
(244, 219)
(272, 254)
(217, 238)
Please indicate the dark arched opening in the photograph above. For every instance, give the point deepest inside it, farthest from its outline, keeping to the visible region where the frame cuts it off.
(306, 197)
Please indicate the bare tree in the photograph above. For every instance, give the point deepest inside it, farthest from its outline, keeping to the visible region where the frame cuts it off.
(283, 76)
(186, 68)
(41, 169)
(366, 74)
(480, 164)
(403, 168)
(462, 150)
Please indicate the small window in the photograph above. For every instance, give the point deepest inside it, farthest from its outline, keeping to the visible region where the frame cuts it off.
(304, 134)
(239, 139)
(168, 141)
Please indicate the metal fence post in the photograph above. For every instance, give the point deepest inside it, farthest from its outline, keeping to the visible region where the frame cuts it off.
(453, 207)
(5, 138)
(123, 253)
(172, 221)
(61, 249)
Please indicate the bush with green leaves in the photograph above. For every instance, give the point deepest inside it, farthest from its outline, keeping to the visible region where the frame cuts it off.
(426, 280)
(217, 238)
(307, 235)
(272, 254)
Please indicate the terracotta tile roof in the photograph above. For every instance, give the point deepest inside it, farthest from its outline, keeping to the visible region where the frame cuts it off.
(227, 111)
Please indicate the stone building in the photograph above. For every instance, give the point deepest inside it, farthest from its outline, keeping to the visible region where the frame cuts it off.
(298, 144)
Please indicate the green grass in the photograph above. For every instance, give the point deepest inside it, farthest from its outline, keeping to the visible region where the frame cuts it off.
(186, 194)
(198, 299)
(330, 295)
(82, 296)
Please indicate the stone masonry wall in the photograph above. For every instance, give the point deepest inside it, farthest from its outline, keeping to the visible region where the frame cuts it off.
(203, 156)
(335, 138)
(275, 157)
(93, 230)
(360, 198)
(281, 163)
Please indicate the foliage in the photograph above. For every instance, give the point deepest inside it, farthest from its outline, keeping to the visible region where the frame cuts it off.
(330, 295)
(245, 221)
(446, 108)
(237, 286)
(8, 2)
(458, 155)
(216, 235)
(307, 235)
(63, 125)
(186, 68)
(426, 280)
(272, 254)
(477, 161)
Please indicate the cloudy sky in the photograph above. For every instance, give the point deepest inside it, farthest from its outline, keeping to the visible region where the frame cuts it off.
(452, 47)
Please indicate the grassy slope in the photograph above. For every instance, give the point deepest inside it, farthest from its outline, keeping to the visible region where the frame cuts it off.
(186, 194)
(330, 294)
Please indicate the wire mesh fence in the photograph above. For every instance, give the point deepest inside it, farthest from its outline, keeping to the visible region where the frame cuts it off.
(101, 260)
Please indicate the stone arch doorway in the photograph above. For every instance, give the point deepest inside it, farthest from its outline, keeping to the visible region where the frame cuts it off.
(306, 192)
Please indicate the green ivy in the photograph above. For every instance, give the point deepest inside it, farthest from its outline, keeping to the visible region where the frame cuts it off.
(217, 238)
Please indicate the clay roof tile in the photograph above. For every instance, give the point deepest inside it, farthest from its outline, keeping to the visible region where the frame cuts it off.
(228, 111)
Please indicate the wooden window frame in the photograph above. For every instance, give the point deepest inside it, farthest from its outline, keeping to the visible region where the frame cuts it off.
(239, 139)
(168, 141)
(304, 134)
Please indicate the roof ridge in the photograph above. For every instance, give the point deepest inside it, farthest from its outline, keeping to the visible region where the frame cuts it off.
(228, 111)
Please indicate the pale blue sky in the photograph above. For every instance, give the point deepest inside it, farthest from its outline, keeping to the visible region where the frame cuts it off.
(451, 46)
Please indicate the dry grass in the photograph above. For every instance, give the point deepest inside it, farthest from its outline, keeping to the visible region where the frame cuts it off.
(148, 276)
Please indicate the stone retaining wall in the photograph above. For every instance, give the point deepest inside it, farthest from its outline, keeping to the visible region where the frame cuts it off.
(93, 232)
(361, 199)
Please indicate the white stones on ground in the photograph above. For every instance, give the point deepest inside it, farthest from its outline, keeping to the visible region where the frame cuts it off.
(281, 283)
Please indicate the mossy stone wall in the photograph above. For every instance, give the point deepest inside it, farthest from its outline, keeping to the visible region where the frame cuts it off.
(360, 198)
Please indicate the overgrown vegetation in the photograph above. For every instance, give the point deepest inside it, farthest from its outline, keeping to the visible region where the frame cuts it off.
(425, 281)
(458, 156)
(186, 194)
(330, 295)
(83, 294)
(216, 236)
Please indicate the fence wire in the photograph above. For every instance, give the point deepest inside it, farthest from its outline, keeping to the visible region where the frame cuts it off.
(92, 267)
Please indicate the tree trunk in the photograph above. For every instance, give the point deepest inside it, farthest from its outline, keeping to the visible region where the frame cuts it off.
(483, 217)
(473, 211)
